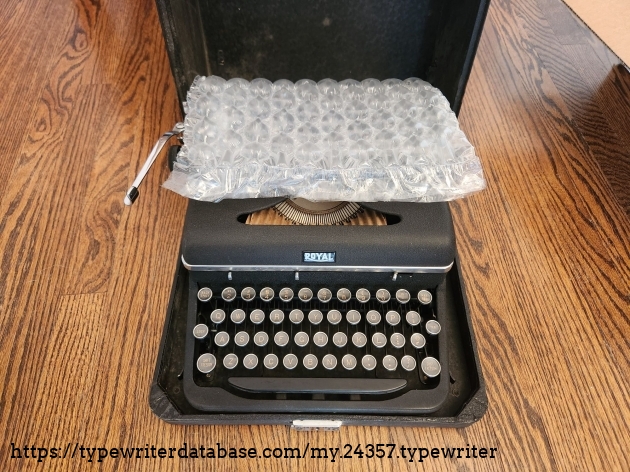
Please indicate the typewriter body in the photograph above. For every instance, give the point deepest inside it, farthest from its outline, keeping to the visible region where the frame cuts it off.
(316, 318)
(331, 324)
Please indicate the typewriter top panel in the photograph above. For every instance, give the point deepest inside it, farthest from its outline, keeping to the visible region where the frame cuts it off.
(420, 239)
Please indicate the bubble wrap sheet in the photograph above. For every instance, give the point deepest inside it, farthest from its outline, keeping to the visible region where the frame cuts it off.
(354, 141)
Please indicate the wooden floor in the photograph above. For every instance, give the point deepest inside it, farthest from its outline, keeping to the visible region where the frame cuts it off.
(84, 281)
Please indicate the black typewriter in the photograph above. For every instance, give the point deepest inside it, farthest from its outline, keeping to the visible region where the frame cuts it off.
(322, 324)
(331, 318)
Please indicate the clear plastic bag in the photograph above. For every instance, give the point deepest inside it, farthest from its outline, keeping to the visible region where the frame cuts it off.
(354, 141)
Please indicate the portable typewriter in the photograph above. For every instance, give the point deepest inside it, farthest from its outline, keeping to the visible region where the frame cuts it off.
(284, 310)
(349, 316)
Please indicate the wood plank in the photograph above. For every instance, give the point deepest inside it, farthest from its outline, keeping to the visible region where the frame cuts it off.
(36, 235)
(73, 344)
(33, 29)
(585, 191)
(536, 192)
(578, 71)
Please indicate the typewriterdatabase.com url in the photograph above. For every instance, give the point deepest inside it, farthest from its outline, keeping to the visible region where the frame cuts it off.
(78, 451)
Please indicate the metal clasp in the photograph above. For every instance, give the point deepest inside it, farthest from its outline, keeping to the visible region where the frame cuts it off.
(316, 425)
(132, 193)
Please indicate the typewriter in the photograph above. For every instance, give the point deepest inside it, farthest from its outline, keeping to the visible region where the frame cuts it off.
(285, 311)
(332, 318)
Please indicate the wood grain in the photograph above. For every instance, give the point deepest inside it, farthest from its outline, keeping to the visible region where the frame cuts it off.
(85, 281)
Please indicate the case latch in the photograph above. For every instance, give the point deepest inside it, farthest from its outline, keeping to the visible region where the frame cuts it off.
(316, 425)
(132, 193)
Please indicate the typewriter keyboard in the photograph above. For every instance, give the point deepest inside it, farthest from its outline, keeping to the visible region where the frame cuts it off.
(327, 342)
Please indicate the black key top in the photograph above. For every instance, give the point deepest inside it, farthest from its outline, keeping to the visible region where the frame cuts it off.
(248, 294)
(228, 294)
(204, 294)
(425, 297)
(311, 385)
(286, 294)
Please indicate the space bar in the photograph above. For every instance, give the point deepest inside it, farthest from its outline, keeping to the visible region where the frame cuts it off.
(355, 386)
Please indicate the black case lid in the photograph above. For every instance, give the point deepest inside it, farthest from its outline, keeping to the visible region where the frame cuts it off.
(434, 40)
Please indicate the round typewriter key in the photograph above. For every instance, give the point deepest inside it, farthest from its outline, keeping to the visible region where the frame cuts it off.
(408, 363)
(334, 317)
(241, 338)
(250, 361)
(430, 367)
(363, 295)
(315, 317)
(276, 316)
(390, 362)
(228, 294)
(296, 316)
(397, 340)
(353, 317)
(200, 331)
(373, 317)
(359, 339)
(368, 362)
(248, 294)
(217, 316)
(261, 339)
(392, 317)
(290, 361)
(204, 295)
(379, 340)
(221, 339)
(425, 297)
(305, 294)
(344, 295)
(349, 362)
(382, 295)
(402, 296)
(324, 295)
(237, 316)
(329, 361)
(206, 363)
(281, 338)
(257, 316)
(417, 340)
(413, 318)
(270, 361)
(320, 339)
(286, 294)
(301, 339)
(266, 294)
(310, 361)
(340, 339)
(230, 361)
(433, 327)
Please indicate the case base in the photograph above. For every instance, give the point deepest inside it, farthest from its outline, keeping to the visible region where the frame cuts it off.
(466, 402)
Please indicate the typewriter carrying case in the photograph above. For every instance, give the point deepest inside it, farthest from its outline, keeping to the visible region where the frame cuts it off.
(276, 39)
